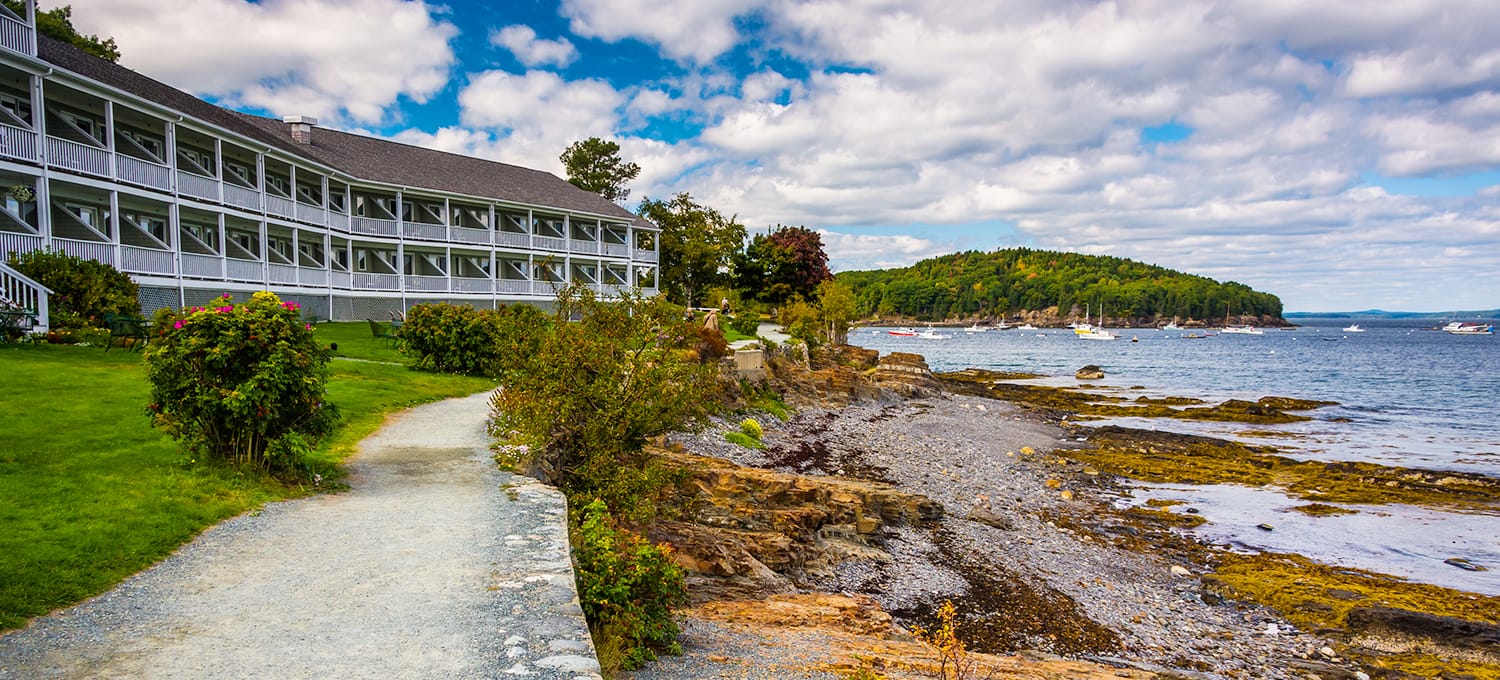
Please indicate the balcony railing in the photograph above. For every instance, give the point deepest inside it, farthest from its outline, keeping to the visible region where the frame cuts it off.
(281, 273)
(464, 285)
(645, 255)
(197, 186)
(577, 246)
(311, 213)
(470, 235)
(365, 281)
(12, 242)
(240, 197)
(281, 207)
(341, 279)
(430, 232)
(83, 158)
(144, 173)
(146, 260)
(373, 225)
(202, 266)
(17, 142)
(616, 250)
(338, 220)
(512, 239)
(513, 286)
(428, 284)
(16, 35)
(308, 276)
(243, 270)
(550, 243)
(88, 250)
(546, 287)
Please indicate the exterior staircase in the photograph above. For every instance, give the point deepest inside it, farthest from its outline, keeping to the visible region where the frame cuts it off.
(23, 302)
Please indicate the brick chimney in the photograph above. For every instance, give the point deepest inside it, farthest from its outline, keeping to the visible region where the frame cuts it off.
(301, 127)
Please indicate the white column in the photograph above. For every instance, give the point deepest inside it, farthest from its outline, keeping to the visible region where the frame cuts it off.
(109, 135)
(219, 166)
(223, 249)
(114, 226)
(265, 255)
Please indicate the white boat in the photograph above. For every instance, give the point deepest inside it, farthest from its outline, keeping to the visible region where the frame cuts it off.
(1171, 326)
(1085, 327)
(1098, 334)
(1025, 327)
(976, 328)
(903, 332)
(930, 334)
(1243, 330)
(1353, 328)
(1461, 328)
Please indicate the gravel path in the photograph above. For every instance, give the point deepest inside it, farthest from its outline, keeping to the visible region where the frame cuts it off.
(434, 565)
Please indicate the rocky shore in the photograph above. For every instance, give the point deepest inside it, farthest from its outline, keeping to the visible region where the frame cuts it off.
(888, 493)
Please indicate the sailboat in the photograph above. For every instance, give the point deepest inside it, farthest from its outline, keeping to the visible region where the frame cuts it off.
(1097, 332)
(1239, 330)
(1085, 327)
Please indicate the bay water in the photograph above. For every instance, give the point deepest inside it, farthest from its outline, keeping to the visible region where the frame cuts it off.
(1408, 396)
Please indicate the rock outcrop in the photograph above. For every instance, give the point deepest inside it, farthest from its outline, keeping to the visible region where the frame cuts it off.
(1089, 372)
(906, 374)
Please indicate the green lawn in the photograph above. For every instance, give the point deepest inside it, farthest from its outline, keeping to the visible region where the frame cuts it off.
(90, 493)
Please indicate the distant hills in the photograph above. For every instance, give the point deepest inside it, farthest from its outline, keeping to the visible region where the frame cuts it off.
(1383, 314)
(1048, 285)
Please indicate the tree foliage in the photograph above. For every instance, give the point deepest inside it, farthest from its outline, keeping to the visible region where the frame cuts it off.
(460, 339)
(785, 263)
(595, 165)
(696, 245)
(1018, 280)
(57, 23)
(83, 290)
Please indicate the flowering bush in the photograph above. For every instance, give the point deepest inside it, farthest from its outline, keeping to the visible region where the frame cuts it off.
(751, 427)
(627, 588)
(243, 383)
(458, 339)
(83, 291)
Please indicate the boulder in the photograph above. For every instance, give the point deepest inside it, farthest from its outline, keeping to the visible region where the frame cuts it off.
(906, 374)
(1089, 372)
(1444, 630)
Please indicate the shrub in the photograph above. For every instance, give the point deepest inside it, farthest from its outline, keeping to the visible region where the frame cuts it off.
(627, 588)
(745, 323)
(458, 339)
(83, 291)
(585, 401)
(710, 344)
(751, 427)
(744, 440)
(242, 383)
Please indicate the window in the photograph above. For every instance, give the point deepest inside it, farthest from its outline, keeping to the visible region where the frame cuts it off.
(86, 214)
(155, 226)
(361, 264)
(208, 235)
(84, 124)
(202, 159)
(242, 172)
(16, 107)
(244, 239)
(147, 143)
(277, 183)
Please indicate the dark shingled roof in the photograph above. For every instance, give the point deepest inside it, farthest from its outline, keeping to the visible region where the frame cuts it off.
(361, 157)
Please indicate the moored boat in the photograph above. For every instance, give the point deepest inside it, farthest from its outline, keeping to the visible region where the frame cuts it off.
(1353, 328)
(903, 332)
(1243, 330)
(1461, 328)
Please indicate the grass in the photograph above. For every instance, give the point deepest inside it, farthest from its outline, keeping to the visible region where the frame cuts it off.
(355, 341)
(93, 493)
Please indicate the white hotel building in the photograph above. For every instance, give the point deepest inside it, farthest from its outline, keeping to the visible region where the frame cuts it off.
(194, 200)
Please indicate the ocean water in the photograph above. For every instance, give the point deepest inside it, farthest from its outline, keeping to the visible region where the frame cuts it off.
(1407, 396)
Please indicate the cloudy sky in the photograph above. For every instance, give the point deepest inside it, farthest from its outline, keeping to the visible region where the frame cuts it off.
(1343, 154)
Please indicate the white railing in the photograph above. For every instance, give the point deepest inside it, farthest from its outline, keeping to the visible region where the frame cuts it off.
(241, 197)
(577, 246)
(513, 286)
(145, 260)
(364, 281)
(197, 186)
(512, 239)
(281, 273)
(17, 142)
(546, 287)
(616, 250)
(282, 207)
(311, 213)
(202, 266)
(550, 242)
(338, 221)
(242, 270)
(463, 285)
(431, 232)
(373, 225)
(144, 173)
(470, 235)
(429, 284)
(648, 292)
(88, 250)
(12, 242)
(645, 255)
(18, 289)
(308, 276)
(343, 280)
(80, 157)
(16, 35)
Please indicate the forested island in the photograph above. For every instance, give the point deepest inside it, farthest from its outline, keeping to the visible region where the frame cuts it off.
(1047, 286)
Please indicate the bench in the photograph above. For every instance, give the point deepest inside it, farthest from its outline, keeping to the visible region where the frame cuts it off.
(135, 332)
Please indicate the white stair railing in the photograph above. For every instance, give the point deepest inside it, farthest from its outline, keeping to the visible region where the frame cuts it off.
(17, 289)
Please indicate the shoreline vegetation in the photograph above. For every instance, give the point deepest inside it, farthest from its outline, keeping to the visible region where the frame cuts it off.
(890, 490)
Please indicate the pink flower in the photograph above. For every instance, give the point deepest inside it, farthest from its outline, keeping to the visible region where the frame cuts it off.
(308, 326)
(178, 324)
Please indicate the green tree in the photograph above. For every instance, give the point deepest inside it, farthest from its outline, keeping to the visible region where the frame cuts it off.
(57, 23)
(595, 165)
(785, 263)
(836, 310)
(696, 245)
(83, 290)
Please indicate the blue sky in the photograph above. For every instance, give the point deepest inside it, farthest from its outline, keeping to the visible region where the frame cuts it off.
(1342, 154)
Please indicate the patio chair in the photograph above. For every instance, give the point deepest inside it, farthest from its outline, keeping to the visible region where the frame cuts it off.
(135, 332)
(382, 331)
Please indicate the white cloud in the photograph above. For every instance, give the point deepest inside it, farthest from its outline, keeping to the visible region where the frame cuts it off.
(847, 252)
(696, 31)
(531, 51)
(336, 59)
